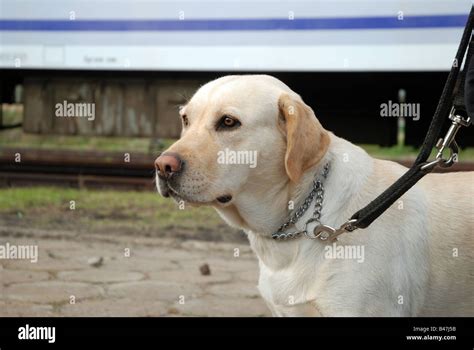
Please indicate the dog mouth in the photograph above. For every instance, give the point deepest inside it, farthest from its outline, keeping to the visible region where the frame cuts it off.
(167, 190)
(171, 192)
(164, 187)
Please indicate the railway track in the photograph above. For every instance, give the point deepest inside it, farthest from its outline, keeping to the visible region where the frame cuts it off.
(76, 169)
(91, 169)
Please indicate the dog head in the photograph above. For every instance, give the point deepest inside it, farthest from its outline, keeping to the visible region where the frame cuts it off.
(241, 135)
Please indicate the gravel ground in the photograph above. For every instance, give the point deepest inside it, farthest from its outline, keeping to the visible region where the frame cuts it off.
(95, 274)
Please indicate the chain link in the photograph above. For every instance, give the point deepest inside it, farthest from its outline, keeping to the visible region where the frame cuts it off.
(316, 191)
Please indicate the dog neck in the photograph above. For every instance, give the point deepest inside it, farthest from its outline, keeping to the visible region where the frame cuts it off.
(271, 209)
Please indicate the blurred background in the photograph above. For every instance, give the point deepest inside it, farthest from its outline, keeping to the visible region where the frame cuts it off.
(80, 185)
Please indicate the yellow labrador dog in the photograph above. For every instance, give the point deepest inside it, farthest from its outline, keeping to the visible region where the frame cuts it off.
(251, 148)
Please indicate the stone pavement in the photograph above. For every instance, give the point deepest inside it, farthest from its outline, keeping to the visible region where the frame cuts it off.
(103, 275)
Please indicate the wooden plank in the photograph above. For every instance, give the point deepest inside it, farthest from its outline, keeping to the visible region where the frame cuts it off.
(38, 112)
(169, 96)
(86, 126)
(65, 92)
(138, 109)
(109, 109)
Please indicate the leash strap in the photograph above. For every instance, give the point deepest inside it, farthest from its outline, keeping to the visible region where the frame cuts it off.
(469, 86)
(365, 216)
(462, 93)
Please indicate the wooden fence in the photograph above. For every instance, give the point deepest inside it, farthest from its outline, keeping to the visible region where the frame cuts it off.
(138, 107)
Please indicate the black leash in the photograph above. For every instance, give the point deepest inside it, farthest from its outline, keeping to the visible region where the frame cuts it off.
(459, 117)
(469, 88)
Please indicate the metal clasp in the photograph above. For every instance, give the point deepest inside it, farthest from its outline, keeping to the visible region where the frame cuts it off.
(448, 142)
(328, 233)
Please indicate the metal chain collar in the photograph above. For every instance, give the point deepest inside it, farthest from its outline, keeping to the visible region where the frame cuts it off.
(318, 192)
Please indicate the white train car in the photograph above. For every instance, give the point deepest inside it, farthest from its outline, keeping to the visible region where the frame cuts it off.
(230, 35)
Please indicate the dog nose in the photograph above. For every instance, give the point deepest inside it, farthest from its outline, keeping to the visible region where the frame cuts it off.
(167, 164)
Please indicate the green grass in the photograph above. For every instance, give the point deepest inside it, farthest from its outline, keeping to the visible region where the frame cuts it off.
(12, 114)
(125, 212)
(16, 138)
(118, 205)
(408, 152)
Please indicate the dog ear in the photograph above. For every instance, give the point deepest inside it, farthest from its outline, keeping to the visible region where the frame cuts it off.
(306, 140)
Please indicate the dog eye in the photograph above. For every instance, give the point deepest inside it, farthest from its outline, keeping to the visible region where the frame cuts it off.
(184, 117)
(227, 122)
